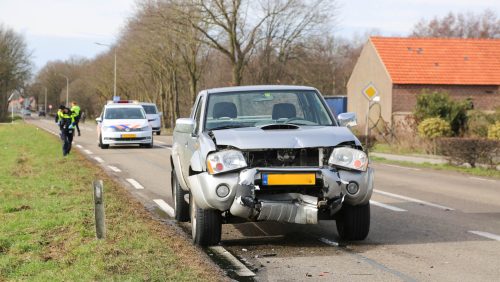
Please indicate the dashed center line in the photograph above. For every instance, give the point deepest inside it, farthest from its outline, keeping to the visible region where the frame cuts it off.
(413, 200)
(486, 235)
(114, 168)
(88, 152)
(165, 207)
(99, 160)
(385, 206)
(134, 183)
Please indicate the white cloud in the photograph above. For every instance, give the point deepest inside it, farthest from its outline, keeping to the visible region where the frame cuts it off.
(66, 18)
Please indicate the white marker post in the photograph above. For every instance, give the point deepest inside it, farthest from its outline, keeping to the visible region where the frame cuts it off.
(100, 226)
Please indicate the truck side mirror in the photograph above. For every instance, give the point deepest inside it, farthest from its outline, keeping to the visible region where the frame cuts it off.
(347, 119)
(184, 125)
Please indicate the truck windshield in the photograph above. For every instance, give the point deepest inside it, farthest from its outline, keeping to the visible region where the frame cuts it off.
(260, 108)
(124, 113)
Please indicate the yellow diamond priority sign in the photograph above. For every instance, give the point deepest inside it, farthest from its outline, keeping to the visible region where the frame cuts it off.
(370, 91)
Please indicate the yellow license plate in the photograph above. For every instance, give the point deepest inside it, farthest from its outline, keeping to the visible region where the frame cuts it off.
(288, 179)
(128, 135)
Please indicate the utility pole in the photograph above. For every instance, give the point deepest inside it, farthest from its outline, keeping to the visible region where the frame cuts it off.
(67, 89)
(114, 82)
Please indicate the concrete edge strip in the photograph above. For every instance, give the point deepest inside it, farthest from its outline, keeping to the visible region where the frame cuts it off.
(403, 167)
(79, 146)
(482, 179)
(88, 152)
(486, 235)
(413, 200)
(114, 168)
(239, 268)
(329, 242)
(134, 183)
(385, 206)
(165, 207)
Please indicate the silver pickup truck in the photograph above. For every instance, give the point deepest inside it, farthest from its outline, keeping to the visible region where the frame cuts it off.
(268, 153)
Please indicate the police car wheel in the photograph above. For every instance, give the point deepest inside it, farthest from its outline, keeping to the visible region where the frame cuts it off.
(103, 146)
(158, 132)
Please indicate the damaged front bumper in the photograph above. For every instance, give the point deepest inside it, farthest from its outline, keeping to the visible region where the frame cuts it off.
(249, 199)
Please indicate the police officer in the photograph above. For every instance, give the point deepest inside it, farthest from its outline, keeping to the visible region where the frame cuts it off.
(76, 112)
(58, 119)
(67, 124)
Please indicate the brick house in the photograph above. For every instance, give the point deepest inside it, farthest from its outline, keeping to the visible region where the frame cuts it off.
(400, 68)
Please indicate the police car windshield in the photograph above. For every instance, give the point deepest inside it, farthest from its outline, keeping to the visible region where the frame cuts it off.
(149, 109)
(124, 113)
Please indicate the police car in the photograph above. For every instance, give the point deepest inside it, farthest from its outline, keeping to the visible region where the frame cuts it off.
(122, 123)
(154, 116)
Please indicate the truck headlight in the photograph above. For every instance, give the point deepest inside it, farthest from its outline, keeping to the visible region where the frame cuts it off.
(349, 158)
(224, 161)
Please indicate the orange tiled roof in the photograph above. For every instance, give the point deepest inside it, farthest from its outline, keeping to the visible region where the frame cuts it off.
(440, 60)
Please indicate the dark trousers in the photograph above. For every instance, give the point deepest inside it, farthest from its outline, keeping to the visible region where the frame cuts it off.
(67, 137)
(77, 121)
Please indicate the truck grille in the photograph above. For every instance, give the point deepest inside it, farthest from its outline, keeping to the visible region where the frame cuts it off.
(286, 157)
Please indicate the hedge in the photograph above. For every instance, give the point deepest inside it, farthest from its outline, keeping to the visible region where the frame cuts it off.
(470, 150)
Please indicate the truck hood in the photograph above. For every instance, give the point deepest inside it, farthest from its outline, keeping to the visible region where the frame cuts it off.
(303, 137)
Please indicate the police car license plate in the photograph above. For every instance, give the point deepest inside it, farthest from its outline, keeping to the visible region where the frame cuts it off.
(128, 135)
(288, 179)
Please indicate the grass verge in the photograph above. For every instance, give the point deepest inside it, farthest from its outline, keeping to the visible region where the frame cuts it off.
(47, 227)
(448, 167)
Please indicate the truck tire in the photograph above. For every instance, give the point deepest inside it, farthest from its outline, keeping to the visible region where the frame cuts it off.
(206, 225)
(181, 208)
(353, 223)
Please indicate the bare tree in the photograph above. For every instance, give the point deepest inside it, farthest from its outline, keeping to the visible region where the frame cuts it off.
(483, 25)
(15, 66)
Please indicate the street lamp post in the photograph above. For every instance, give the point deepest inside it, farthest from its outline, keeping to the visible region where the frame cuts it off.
(45, 107)
(114, 50)
(67, 89)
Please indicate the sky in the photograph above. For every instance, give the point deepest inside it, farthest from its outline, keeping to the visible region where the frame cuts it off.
(59, 29)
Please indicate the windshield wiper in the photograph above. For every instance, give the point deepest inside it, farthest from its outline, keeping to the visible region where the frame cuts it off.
(229, 126)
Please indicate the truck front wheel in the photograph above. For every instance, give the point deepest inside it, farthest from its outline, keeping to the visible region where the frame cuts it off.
(353, 223)
(206, 225)
(181, 208)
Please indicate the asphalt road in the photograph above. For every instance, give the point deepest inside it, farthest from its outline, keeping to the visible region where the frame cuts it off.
(426, 224)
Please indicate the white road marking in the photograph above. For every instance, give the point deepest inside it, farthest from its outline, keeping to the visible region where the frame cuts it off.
(134, 183)
(79, 146)
(165, 207)
(99, 160)
(403, 167)
(88, 152)
(329, 242)
(385, 206)
(483, 179)
(413, 200)
(239, 268)
(160, 142)
(486, 235)
(114, 168)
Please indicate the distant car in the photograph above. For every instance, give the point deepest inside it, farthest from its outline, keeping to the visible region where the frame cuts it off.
(123, 123)
(268, 153)
(25, 112)
(154, 117)
(41, 113)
